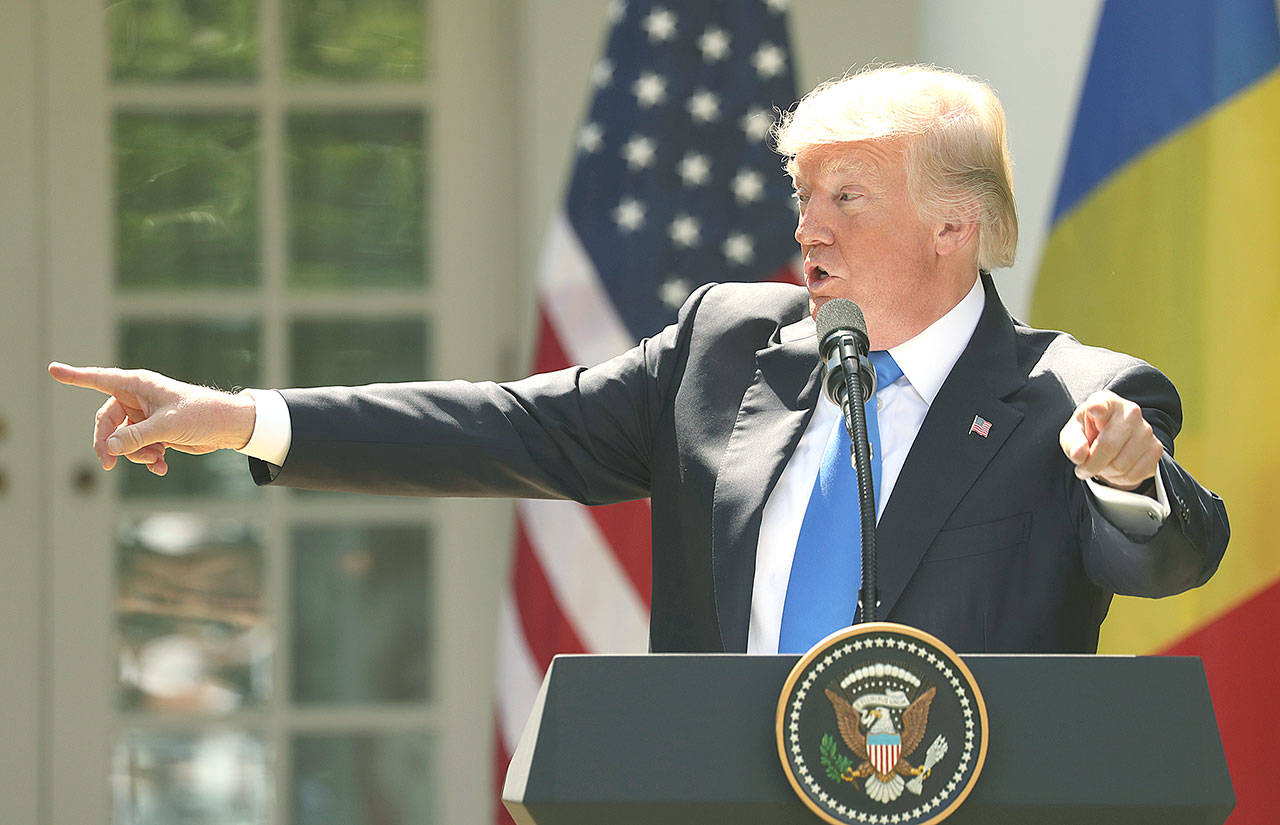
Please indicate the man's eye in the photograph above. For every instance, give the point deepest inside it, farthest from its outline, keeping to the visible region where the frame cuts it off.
(800, 197)
(849, 196)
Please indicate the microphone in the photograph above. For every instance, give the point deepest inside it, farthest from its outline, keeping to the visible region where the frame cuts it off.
(842, 338)
(843, 346)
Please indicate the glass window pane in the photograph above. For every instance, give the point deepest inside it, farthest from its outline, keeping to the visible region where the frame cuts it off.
(190, 613)
(183, 39)
(186, 200)
(355, 39)
(353, 352)
(225, 354)
(360, 614)
(192, 778)
(356, 189)
(363, 779)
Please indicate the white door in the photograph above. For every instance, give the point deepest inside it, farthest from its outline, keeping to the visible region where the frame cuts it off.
(256, 193)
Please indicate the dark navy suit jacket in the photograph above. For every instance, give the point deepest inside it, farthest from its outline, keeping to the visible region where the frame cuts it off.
(991, 543)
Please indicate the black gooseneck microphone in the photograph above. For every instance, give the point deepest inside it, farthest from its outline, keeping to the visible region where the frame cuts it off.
(843, 346)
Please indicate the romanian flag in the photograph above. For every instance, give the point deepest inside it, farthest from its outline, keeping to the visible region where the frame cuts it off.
(1166, 244)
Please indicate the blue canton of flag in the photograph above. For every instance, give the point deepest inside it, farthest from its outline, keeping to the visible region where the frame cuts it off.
(675, 183)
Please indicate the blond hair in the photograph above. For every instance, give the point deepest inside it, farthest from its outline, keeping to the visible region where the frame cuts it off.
(956, 152)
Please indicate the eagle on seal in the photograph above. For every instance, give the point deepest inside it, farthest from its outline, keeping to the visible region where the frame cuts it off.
(885, 760)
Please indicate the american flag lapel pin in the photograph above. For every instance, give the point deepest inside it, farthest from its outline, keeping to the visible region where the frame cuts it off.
(980, 426)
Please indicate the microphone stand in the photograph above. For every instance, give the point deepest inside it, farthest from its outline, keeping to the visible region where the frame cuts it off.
(855, 421)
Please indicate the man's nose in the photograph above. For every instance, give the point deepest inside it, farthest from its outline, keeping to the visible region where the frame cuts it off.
(812, 226)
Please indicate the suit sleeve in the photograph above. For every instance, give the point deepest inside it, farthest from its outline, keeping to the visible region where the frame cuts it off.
(1187, 548)
(579, 433)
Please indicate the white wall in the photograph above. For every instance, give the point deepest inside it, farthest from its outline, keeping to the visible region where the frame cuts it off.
(1034, 54)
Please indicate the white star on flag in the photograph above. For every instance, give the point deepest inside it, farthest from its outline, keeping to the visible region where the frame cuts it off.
(769, 61)
(748, 186)
(591, 138)
(673, 292)
(714, 44)
(694, 169)
(638, 152)
(739, 249)
(685, 231)
(602, 73)
(756, 123)
(629, 215)
(704, 106)
(660, 24)
(650, 89)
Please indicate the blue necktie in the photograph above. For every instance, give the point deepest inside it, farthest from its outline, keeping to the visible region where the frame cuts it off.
(826, 574)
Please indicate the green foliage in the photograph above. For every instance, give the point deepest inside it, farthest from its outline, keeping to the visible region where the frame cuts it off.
(355, 39)
(836, 763)
(354, 351)
(186, 200)
(357, 187)
(162, 40)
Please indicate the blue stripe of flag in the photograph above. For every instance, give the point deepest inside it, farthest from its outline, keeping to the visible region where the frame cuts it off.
(1157, 65)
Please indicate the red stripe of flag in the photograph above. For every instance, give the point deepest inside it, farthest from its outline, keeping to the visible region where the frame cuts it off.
(549, 354)
(546, 629)
(625, 527)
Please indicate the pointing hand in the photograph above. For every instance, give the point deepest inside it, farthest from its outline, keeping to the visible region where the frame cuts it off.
(1108, 440)
(148, 412)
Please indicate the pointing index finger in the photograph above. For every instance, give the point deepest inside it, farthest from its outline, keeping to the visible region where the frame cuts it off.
(102, 379)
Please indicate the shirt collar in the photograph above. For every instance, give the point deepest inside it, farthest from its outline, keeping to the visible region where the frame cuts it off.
(926, 360)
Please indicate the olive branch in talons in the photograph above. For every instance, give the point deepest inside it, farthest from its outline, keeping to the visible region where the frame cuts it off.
(838, 766)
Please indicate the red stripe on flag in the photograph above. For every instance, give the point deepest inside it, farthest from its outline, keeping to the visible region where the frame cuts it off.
(1238, 650)
(626, 528)
(549, 355)
(786, 275)
(547, 631)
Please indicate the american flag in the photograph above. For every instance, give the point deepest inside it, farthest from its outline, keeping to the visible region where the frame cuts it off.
(674, 184)
(980, 426)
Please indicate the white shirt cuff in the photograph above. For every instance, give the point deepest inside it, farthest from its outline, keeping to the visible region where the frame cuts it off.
(272, 428)
(1134, 513)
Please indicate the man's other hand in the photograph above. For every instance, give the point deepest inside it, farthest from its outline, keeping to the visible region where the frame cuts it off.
(149, 412)
(1109, 441)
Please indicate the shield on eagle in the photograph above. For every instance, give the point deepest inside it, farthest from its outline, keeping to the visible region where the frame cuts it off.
(883, 750)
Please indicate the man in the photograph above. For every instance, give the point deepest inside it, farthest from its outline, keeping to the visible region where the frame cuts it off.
(1025, 478)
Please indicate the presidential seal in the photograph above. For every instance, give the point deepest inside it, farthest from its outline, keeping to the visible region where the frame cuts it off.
(882, 724)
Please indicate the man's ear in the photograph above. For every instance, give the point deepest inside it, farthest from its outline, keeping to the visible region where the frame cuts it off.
(954, 236)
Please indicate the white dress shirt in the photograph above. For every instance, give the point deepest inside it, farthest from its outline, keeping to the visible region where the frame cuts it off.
(926, 361)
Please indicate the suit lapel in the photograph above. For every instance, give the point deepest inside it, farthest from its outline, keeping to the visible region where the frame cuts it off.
(774, 412)
(946, 457)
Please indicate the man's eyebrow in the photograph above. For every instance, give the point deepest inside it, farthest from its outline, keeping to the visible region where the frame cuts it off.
(837, 165)
(846, 165)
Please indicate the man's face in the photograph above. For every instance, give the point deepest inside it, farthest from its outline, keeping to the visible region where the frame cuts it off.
(862, 239)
